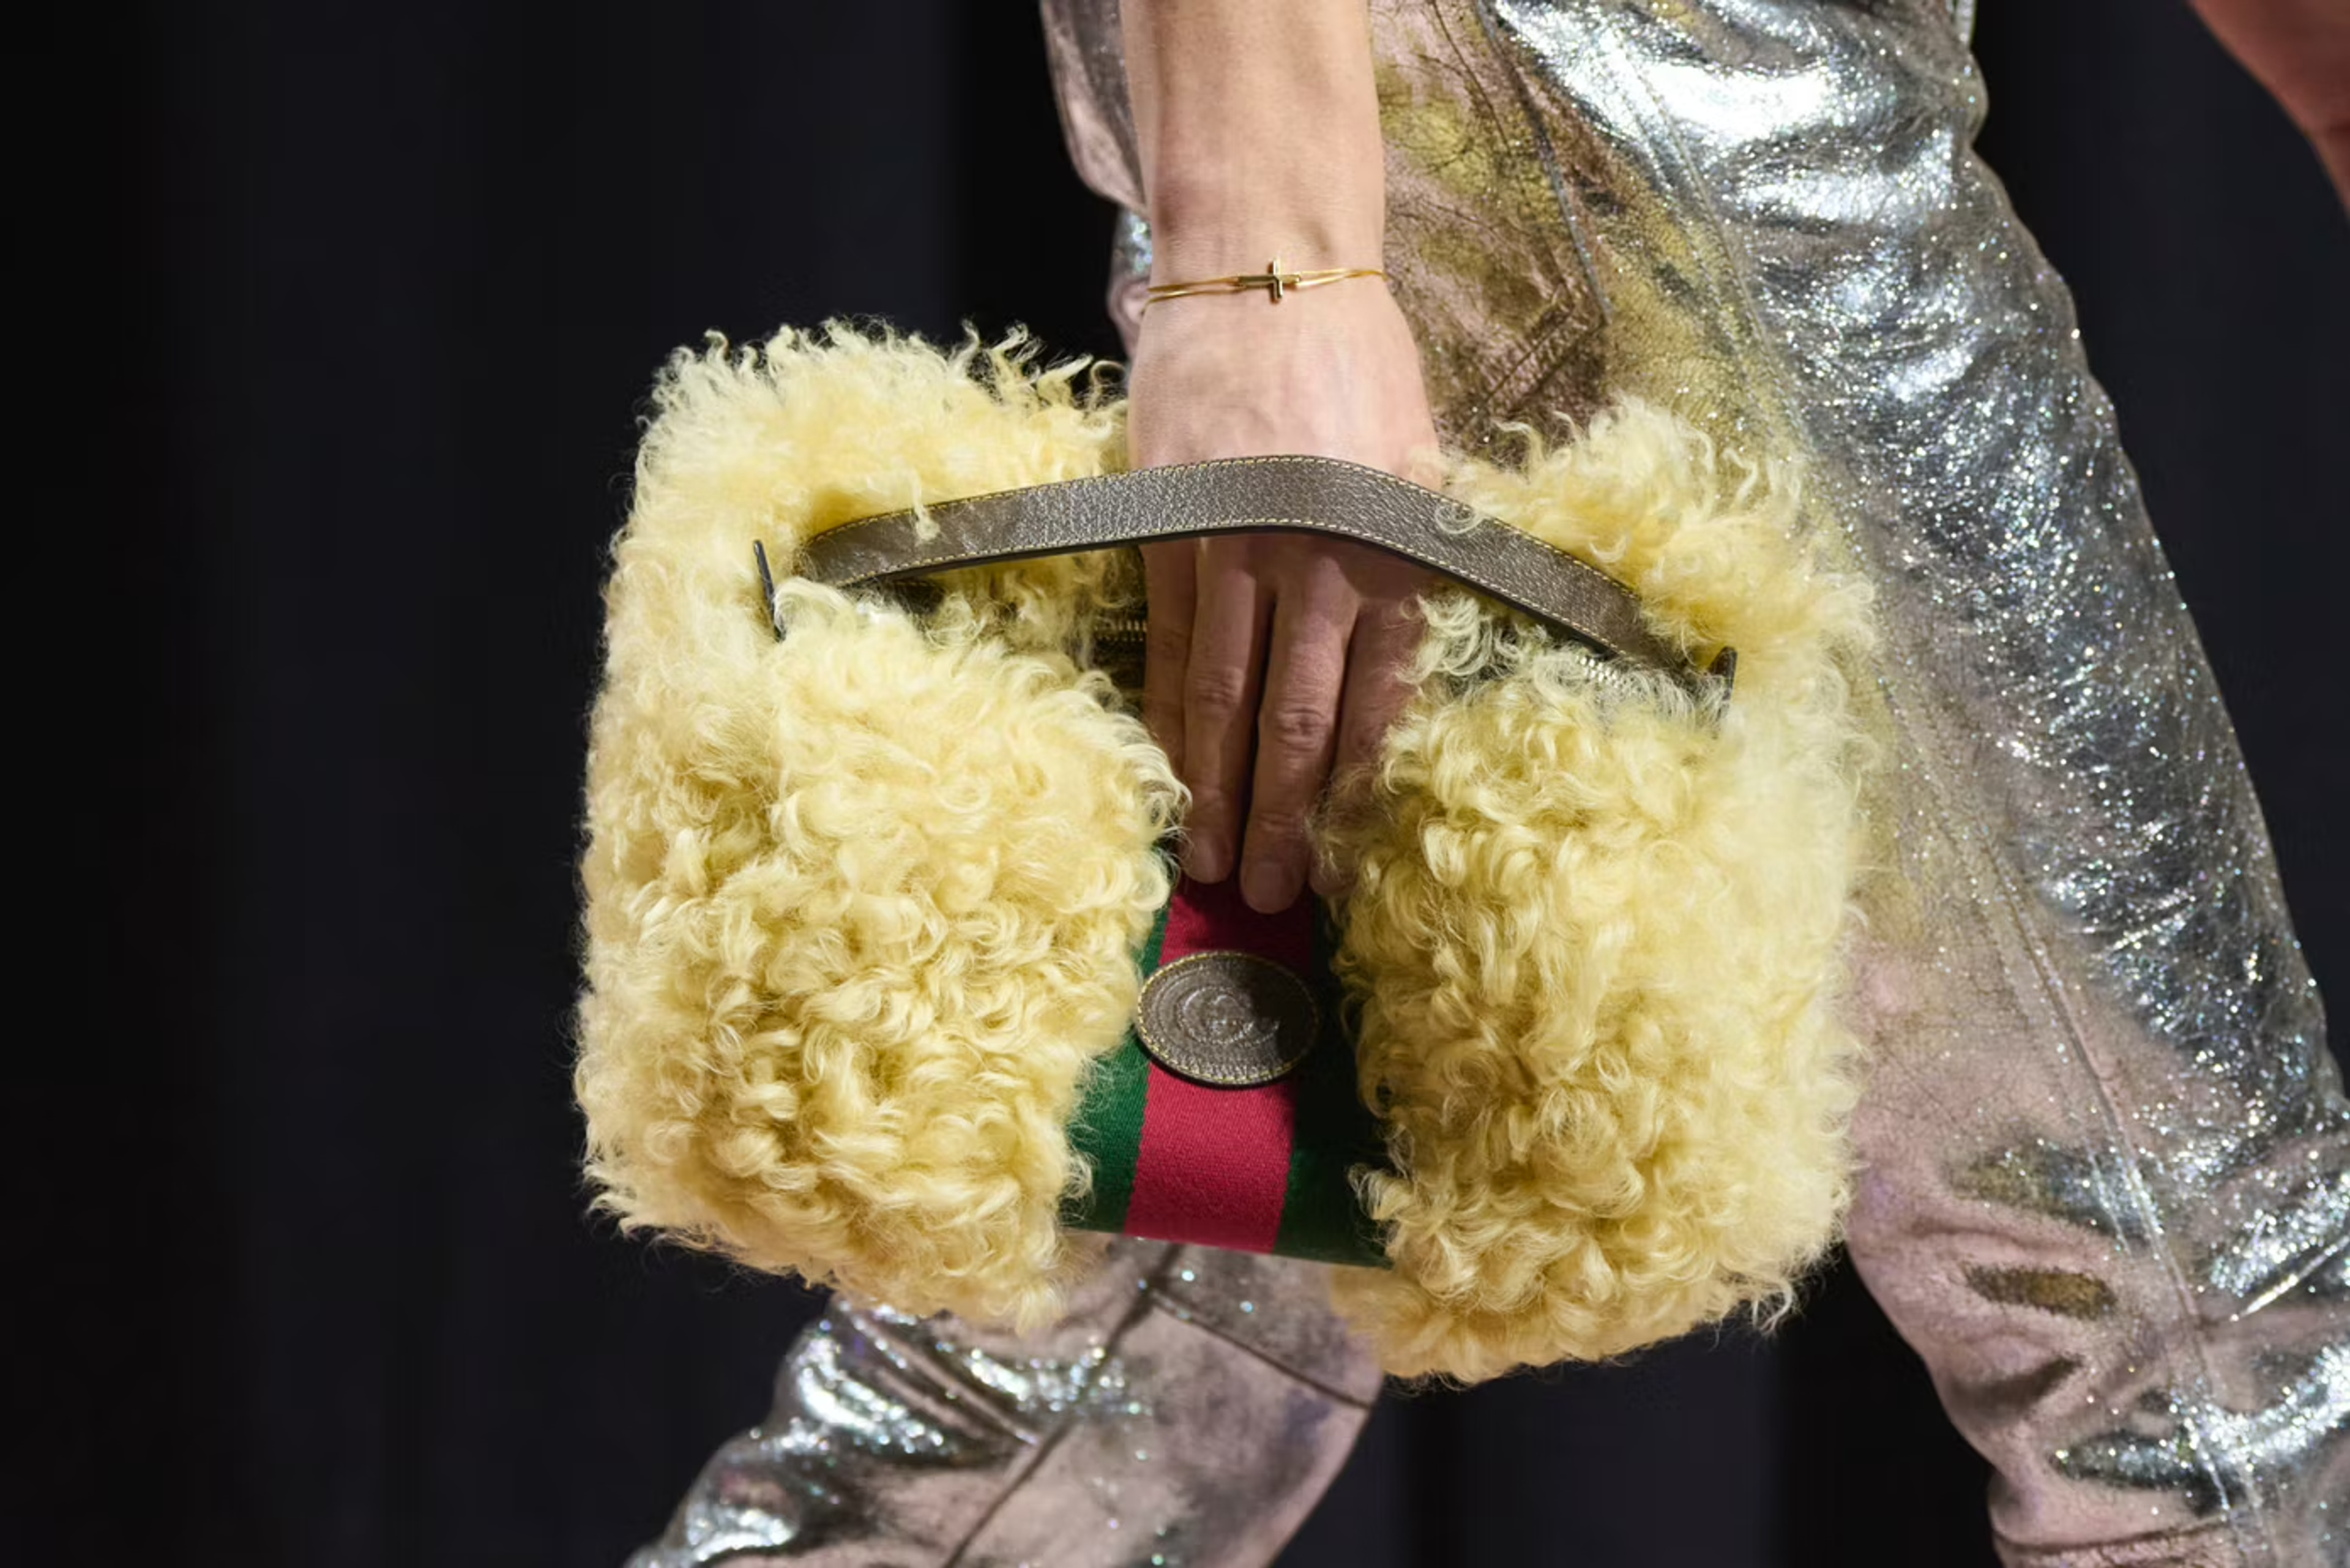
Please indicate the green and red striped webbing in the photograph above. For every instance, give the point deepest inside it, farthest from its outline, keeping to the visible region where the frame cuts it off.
(1259, 1169)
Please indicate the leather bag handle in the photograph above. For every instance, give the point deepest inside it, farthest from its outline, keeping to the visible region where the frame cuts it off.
(1302, 494)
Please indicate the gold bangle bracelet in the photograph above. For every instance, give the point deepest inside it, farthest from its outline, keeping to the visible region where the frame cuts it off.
(1273, 280)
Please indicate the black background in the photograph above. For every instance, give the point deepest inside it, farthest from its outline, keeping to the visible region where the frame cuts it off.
(337, 320)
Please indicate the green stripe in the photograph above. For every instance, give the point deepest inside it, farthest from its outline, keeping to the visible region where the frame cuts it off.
(1321, 1217)
(1107, 1131)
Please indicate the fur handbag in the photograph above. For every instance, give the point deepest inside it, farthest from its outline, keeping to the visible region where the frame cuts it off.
(876, 877)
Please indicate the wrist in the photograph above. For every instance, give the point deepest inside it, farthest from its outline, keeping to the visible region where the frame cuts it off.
(1259, 132)
(1210, 231)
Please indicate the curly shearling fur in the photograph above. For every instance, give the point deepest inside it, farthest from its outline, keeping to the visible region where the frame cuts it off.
(1597, 928)
(863, 903)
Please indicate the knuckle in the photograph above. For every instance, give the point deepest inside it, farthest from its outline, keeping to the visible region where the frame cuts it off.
(1167, 645)
(1278, 827)
(1281, 839)
(1302, 727)
(1216, 688)
(1211, 804)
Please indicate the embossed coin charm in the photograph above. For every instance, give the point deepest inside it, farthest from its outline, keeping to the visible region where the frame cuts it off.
(1230, 1019)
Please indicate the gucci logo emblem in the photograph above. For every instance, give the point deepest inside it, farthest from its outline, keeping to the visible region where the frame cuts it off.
(1230, 1019)
(1223, 1019)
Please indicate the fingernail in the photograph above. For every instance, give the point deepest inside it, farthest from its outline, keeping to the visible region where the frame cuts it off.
(1205, 860)
(1267, 888)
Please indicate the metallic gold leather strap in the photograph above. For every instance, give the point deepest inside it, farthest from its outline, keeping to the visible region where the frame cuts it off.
(1304, 494)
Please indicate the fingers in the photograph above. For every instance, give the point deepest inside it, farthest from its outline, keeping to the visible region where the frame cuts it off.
(1296, 731)
(1220, 696)
(1386, 638)
(1377, 661)
(1270, 660)
(1169, 582)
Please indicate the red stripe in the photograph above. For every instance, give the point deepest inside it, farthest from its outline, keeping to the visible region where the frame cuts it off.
(1214, 1164)
(1213, 918)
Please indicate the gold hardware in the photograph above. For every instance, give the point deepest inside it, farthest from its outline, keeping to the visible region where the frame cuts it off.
(1276, 282)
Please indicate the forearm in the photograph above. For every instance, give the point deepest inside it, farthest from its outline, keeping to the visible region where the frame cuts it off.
(1273, 659)
(1259, 131)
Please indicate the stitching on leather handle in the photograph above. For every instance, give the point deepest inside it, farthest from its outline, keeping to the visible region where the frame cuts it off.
(1235, 524)
(1579, 575)
(1573, 563)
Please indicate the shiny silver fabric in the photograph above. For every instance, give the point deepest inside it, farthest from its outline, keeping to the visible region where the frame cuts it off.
(1190, 1411)
(2108, 1194)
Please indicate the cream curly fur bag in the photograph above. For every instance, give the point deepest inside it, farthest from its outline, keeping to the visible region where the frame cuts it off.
(863, 903)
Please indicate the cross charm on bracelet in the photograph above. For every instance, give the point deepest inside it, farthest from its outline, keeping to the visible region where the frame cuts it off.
(1276, 283)
(1273, 280)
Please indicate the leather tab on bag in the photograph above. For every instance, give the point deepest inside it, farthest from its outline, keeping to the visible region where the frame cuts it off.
(1304, 494)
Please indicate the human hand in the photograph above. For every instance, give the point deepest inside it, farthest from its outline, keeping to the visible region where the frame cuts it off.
(1275, 660)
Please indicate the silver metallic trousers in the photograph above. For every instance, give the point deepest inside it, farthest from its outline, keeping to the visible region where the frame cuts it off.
(2107, 1193)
